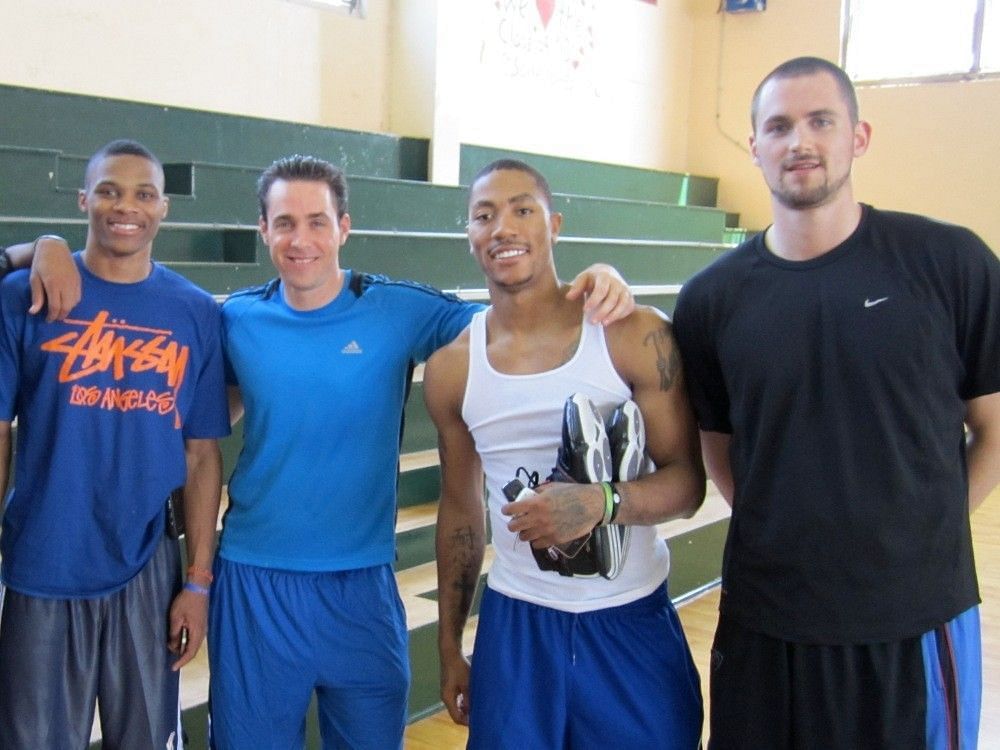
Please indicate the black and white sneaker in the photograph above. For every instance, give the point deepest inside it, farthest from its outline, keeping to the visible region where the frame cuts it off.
(585, 454)
(627, 435)
(592, 453)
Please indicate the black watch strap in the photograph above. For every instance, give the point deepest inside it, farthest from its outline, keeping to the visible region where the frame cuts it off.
(5, 264)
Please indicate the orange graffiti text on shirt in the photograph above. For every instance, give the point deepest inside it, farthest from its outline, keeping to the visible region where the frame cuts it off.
(103, 347)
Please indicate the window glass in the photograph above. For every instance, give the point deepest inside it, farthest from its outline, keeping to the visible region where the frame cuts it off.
(892, 39)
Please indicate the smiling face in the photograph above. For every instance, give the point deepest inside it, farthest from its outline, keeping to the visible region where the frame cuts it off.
(304, 236)
(125, 204)
(511, 228)
(805, 140)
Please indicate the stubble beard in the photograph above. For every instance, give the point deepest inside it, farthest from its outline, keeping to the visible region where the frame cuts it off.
(799, 200)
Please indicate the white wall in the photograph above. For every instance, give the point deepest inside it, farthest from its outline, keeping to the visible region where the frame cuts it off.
(604, 79)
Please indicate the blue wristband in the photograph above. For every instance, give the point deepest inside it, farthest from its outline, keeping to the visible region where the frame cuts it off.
(203, 590)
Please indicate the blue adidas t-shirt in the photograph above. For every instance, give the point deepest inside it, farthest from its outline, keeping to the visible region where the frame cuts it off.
(104, 401)
(315, 485)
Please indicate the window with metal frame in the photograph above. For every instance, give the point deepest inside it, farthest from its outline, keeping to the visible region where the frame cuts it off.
(350, 7)
(901, 41)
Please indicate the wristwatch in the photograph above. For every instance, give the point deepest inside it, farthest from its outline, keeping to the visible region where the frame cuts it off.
(5, 265)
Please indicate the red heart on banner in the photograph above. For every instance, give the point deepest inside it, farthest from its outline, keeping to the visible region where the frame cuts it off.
(545, 10)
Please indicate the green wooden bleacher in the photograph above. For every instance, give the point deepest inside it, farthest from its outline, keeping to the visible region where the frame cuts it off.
(658, 228)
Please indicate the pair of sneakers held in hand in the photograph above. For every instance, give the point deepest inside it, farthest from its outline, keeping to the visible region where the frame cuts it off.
(592, 452)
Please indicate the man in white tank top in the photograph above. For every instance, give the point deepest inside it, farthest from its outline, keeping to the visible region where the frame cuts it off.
(560, 661)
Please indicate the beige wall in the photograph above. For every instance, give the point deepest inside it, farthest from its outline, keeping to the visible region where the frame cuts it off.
(266, 58)
(934, 149)
(426, 68)
(664, 86)
(412, 55)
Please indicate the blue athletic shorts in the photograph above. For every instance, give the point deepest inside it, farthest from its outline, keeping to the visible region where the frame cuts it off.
(919, 693)
(277, 636)
(615, 678)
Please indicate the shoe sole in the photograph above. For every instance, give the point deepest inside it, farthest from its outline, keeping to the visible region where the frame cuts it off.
(586, 441)
(627, 434)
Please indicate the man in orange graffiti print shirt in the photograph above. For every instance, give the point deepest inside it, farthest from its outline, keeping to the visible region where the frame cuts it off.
(119, 407)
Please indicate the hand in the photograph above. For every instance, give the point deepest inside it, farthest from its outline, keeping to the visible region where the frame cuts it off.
(558, 513)
(455, 687)
(188, 612)
(608, 295)
(54, 279)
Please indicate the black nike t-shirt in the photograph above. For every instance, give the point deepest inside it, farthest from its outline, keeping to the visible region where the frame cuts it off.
(842, 380)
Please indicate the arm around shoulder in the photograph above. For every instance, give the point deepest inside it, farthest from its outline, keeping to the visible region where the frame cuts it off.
(55, 280)
(645, 354)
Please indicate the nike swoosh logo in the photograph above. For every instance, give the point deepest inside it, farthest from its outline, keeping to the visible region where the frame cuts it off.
(873, 302)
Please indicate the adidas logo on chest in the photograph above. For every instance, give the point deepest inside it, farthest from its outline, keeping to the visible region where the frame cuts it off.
(352, 348)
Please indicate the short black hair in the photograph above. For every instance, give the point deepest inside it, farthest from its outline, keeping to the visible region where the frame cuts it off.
(807, 66)
(518, 166)
(119, 147)
(304, 169)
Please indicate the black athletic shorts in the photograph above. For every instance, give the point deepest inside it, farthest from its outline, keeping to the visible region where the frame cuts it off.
(912, 694)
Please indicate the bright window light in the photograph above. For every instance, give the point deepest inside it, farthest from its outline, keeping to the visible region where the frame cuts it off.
(350, 7)
(889, 40)
(991, 37)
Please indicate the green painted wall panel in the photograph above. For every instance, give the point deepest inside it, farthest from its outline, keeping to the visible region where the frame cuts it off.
(415, 547)
(419, 486)
(607, 217)
(81, 124)
(579, 177)
(44, 184)
(419, 433)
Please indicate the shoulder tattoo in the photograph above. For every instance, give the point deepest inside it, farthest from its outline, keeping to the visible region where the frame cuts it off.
(668, 361)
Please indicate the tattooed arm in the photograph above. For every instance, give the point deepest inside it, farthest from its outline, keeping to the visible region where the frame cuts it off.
(461, 525)
(646, 356)
(643, 350)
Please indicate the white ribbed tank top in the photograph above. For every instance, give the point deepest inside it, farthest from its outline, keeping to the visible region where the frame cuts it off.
(516, 421)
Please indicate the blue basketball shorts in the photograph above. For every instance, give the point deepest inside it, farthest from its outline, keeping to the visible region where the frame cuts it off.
(276, 637)
(620, 677)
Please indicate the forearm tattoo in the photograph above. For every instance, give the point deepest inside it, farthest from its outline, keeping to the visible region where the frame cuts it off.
(465, 562)
(668, 361)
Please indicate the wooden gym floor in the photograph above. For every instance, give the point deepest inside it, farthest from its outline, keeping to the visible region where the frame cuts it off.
(437, 732)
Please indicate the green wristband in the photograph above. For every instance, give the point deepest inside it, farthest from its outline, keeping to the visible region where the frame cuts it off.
(609, 503)
(616, 504)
